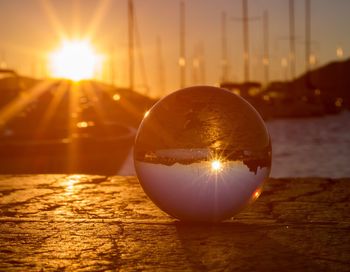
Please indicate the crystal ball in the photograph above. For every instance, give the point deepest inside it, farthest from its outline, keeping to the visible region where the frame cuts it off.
(202, 154)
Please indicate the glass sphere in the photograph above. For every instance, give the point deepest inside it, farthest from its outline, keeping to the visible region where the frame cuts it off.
(202, 154)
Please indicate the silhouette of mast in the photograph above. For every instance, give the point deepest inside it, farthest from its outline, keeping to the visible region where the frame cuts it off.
(131, 43)
(182, 59)
(245, 40)
(292, 39)
(246, 56)
(202, 67)
(224, 60)
(266, 58)
(160, 63)
(140, 57)
(195, 65)
(307, 34)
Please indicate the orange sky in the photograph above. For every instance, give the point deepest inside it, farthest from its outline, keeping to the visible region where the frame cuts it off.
(30, 29)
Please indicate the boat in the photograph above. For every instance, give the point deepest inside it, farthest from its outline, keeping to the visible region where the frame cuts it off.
(66, 127)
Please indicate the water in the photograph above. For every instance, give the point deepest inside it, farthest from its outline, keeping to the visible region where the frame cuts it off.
(310, 147)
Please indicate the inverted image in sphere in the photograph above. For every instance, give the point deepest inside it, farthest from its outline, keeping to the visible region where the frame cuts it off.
(202, 154)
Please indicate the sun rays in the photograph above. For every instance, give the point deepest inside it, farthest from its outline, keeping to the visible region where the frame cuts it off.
(69, 113)
(77, 98)
(76, 59)
(22, 100)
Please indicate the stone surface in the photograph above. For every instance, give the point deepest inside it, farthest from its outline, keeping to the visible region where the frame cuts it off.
(94, 223)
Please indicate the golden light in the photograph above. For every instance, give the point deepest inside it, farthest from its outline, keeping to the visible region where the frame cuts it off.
(338, 102)
(216, 165)
(70, 185)
(116, 97)
(182, 62)
(284, 62)
(75, 60)
(340, 52)
(265, 61)
(236, 91)
(312, 59)
(84, 124)
(266, 97)
(256, 194)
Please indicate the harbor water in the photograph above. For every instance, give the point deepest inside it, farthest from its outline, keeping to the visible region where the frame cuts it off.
(308, 147)
(311, 147)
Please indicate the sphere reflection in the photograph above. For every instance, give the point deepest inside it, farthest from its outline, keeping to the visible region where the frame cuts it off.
(202, 154)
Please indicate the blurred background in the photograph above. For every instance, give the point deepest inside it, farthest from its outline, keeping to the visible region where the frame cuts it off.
(77, 77)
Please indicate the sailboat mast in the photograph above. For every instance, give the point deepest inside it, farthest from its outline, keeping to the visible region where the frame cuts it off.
(160, 62)
(245, 40)
(266, 58)
(224, 47)
(182, 59)
(131, 43)
(292, 39)
(307, 34)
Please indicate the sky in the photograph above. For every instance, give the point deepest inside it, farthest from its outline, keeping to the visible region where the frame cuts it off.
(31, 29)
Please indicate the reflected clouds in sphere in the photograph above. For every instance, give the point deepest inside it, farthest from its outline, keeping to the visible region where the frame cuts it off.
(202, 154)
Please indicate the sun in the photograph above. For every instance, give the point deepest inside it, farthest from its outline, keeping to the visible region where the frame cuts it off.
(75, 60)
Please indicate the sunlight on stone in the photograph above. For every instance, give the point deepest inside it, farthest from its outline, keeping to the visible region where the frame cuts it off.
(70, 183)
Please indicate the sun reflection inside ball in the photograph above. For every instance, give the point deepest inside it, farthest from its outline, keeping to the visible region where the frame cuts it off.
(216, 165)
(202, 154)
